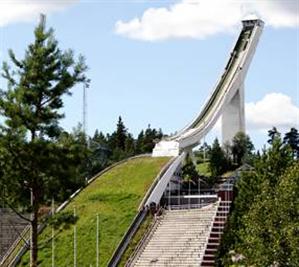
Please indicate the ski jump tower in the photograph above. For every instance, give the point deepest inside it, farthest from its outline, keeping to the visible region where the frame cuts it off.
(227, 99)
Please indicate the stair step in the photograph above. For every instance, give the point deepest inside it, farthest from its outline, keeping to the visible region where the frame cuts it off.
(179, 239)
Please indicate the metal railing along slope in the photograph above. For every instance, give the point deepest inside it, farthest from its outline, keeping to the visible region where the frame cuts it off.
(21, 245)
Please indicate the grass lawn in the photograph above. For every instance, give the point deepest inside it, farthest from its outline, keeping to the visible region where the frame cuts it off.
(115, 196)
(203, 169)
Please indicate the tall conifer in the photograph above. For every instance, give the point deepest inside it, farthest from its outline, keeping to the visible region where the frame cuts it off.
(31, 107)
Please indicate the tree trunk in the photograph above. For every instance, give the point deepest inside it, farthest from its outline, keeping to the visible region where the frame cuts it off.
(34, 215)
(34, 233)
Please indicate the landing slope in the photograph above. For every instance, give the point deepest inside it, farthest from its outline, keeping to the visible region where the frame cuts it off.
(115, 196)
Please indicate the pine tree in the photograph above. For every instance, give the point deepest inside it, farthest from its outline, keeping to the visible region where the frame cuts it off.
(292, 139)
(100, 152)
(241, 147)
(120, 134)
(75, 164)
(160, 134)
(140, 143)
(129, 145)
(148, 143)
(218, 162)
(273, 134)
(189, 173)
(99, 138)
(256, 218)
(31, 107)
(272, 219)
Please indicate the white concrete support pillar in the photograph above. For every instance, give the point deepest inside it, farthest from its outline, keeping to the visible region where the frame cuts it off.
(233, 116)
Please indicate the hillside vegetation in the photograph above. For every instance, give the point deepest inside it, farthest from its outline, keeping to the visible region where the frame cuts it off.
(115, 197)
(263, 226)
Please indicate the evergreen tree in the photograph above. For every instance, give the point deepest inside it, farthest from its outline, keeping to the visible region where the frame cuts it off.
(140, 143)
(129, 145)
(31, 156)
(99, 153)
(227, 149)
(189, 173)
(98, 138)
(120, 134)
(250, 225)
(151, 136)
(203, 153)
(272, 220)
(241, 148)
(148, 142)
(218, 162)
(273, 134)
(160, 134)
(110, 140)
(81, 144)
(292, 139)
(75, 164)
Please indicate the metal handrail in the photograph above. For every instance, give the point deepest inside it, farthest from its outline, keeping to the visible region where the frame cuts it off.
(191, 206)
(144, 241)
(123, 244)
(24, 248)
(155, 182)
(19, 239)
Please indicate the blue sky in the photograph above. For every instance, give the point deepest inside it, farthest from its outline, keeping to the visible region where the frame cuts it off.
(160, 68)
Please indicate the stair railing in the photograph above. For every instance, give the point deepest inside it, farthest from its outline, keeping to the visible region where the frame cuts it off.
(144, 240)
(209, 232)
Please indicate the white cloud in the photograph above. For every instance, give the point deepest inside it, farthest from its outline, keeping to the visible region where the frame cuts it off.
(279, 13)
(202, 18)
(13, 11)
(275, 109)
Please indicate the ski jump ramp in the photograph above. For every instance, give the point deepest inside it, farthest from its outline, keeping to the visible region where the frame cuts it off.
(227, 99)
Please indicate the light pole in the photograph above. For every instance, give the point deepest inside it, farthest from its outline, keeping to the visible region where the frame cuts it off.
(97, 241)
(75, 240)
(53, 233)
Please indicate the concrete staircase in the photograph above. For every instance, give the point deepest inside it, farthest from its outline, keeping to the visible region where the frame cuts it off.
(179, 238)
(215, 234)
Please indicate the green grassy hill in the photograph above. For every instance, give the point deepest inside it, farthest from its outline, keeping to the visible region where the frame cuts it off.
(203, 168)
(115, 196)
